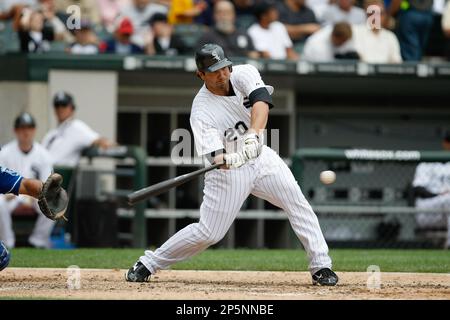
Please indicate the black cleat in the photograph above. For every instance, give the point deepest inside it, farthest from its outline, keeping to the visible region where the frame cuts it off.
(138, 273)
(325, 277)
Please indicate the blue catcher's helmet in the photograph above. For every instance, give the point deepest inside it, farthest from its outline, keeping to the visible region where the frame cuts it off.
(5, 256)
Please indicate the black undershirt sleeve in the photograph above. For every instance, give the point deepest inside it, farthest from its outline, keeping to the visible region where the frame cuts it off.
(261, 94)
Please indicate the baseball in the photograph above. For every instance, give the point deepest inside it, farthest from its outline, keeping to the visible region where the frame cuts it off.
(327, 177)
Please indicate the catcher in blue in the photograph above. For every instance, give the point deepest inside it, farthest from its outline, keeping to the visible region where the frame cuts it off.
(52, 198)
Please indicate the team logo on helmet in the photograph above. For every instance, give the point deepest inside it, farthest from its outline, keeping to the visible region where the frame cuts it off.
(215, 55)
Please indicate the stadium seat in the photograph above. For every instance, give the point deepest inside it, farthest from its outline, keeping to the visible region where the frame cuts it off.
(8, 38)
(190, 33)
(57, 46)
(244, 22)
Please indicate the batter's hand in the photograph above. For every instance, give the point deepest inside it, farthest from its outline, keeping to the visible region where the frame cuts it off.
(252, 147)
(234, 160)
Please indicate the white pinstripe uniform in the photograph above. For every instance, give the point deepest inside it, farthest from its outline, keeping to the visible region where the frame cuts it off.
(435, 177)
(36, 164)
(266, 177)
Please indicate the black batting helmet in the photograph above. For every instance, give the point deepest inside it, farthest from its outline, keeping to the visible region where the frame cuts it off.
(210, 58)
(63, 98)
(24, 120)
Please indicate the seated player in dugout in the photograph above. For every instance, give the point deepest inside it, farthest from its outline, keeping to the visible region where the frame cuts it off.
(234, 102)
(71, 136)
(28, 158)
(431, 188)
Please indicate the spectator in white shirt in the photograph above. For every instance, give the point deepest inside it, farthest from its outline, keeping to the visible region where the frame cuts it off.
(270, 36)
(343, 11)
(330, 44)
(375, 44)
(86, 41)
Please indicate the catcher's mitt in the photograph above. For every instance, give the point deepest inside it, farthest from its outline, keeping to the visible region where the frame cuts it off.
(53, 199)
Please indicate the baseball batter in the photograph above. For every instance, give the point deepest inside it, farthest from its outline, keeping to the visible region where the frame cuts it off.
(31, 160)
(228, 116)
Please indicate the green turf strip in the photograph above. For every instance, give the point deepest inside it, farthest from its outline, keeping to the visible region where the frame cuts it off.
(257, 260)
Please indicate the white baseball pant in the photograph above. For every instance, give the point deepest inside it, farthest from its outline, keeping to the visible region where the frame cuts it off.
(267, 177)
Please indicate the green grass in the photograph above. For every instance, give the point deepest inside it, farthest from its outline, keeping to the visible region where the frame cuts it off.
(258, 260)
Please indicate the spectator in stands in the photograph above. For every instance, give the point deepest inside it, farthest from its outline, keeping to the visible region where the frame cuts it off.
(165, 42)
(140, 12)
(67, 141)
(270, 36)
(298, 19)
(376, 44)
(234, 42)
(33, 35)
(49, 10)
(9, 9)
(121, 43)
(89, 9)
(109, 13)
(206, 17)
(111, 10)
(86, 41)
(185, 11)
(51, 21)
(32, 161)
(414, 23)
(330, 44)
(245, 16)
(446, 28)
(431, 187)
(344, 11)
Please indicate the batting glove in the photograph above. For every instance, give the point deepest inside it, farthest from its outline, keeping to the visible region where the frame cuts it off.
(251, 148)
(234, 160)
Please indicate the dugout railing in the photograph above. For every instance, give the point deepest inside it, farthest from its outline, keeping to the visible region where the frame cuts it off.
(372, 201)
(126, 167)
(369, 205)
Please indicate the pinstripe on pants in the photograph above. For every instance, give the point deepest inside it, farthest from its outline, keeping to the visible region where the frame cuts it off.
(267, 177)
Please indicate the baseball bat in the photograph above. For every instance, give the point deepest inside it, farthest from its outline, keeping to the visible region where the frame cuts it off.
(165, 185)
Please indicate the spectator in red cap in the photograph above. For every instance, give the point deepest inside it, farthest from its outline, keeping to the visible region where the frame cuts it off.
(121, 43)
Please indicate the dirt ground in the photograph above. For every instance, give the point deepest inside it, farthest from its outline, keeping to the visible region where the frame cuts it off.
(216, 285)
